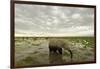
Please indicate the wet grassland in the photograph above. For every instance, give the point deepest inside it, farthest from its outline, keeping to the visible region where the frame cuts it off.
(35, 50)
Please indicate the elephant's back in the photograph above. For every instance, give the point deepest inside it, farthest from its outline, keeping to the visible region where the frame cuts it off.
(56, 42)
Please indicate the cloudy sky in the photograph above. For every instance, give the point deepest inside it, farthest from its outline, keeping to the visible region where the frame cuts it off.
(41, 20)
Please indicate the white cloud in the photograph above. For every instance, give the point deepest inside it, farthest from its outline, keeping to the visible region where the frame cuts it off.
(36, 20)
(76, 16)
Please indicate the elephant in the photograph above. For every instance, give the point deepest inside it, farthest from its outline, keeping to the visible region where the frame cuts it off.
(57, 46)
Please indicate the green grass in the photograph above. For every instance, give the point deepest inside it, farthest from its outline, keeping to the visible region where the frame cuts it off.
(34, 50)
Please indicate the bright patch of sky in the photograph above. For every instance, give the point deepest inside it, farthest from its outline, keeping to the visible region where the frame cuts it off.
(43, 20)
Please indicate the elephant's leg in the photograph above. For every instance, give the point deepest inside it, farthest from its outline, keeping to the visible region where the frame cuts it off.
(60, 50)
(50, 49)
(54, 50)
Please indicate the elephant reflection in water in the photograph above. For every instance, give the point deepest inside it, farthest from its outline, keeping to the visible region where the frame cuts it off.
(55, 58)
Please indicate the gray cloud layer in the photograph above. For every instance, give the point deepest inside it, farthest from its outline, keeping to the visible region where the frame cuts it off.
(45, 20)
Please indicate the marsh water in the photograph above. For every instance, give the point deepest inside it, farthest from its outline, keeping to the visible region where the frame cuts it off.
(35, 51)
